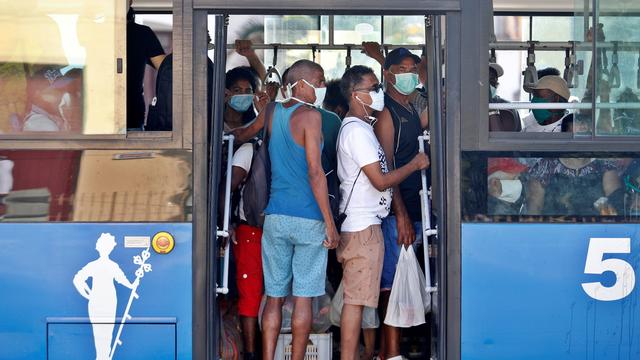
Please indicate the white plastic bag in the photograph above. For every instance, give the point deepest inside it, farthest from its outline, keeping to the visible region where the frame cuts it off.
(409, 300)
(370, 318)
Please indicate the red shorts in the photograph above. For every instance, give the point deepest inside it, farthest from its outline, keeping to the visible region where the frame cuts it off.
(248, 269)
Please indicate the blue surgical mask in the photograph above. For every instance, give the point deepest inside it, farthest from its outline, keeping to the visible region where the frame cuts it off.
(492, 91)
(241, 103)
(406, 83)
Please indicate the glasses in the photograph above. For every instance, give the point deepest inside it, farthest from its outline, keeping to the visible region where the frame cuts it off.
(374, 88)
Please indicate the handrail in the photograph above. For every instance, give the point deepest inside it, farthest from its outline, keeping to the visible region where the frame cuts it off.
(224, 289)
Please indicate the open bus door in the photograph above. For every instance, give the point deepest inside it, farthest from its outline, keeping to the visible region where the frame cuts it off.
(436, 13)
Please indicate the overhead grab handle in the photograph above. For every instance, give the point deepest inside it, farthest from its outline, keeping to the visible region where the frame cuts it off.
(493, 58)
(569, 68)
(314, 49)
(347, 59)
(614, 73)
(530, 73)
(273, 71)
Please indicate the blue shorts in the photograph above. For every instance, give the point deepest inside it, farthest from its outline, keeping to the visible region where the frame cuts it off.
(392, 249)
(293, 257)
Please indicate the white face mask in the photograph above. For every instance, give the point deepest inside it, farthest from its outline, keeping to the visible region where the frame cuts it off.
(511, 190)
(320, 94)
(377, 100)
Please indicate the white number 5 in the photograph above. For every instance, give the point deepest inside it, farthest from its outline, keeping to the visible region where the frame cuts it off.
(625, 276)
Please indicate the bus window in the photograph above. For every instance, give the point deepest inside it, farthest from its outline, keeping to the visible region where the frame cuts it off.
(61, 66)
(157, 80)
(95, 186)
(529, 48)
(553, 188)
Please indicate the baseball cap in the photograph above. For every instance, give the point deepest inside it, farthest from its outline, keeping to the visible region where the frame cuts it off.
(554, 83)
(497, 68)
(396, 56)
(508, 165)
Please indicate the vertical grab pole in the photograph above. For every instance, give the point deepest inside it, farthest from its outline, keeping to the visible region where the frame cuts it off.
(426, 218)
(227, 214)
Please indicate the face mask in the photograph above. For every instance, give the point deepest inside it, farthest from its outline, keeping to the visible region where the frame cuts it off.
(241, 103)
(492, 91)
(406, 83)
(541, 115)
(511, 190)
(320, 94)
(377, 100)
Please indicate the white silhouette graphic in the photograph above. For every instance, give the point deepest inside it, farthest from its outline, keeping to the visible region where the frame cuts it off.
(102, 296)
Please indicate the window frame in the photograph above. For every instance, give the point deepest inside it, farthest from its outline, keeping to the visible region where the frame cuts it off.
(475, 133)
(178, 138)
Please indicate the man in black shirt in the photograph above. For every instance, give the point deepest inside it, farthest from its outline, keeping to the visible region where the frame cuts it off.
(143, 47)
(397, 129)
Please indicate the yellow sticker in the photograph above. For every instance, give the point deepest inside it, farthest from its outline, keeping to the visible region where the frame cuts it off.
(163, 242)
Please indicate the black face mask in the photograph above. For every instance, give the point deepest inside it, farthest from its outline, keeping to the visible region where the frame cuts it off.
(131, 15)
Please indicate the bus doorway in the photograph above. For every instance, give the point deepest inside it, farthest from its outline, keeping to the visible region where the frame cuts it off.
(258, 50)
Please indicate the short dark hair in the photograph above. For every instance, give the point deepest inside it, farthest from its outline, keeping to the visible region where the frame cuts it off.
(548, 71)
(334, 96)
(284, 76)
(352, 77)
(300, 69)
(241, 73)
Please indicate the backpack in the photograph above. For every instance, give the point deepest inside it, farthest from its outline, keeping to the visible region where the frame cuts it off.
(160, 115)
(257, 188)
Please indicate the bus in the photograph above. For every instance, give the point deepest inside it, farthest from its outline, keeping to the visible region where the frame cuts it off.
(111, 235)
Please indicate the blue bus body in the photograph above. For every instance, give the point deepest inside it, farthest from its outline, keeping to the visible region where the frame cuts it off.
(45, 317)
(522, 294)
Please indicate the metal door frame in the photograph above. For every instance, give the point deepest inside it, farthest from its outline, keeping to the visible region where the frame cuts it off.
(466, 36)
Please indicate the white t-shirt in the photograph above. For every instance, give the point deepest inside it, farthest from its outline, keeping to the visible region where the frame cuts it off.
(358, 147)
(242, 158)
(530, 124)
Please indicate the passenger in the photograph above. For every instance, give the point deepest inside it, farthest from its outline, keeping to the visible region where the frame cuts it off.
(160, 116)
(335, 101)
(500, 120)
(298, 226)
(549, 89)
(631, 178)
(504, 184)
(241, 85)
(574, 186)
(397, 129)
(418, 98)
(627, 120)
(248, 258)
(365, 186)
(548, 71)
(143, 47)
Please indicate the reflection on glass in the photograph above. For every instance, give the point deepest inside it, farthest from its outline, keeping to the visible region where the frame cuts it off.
(58, 62)
(292, 29)
(334, 62)
(552, 188)
(404, 30)
(356, 29)
(511, 28)
(96, 185)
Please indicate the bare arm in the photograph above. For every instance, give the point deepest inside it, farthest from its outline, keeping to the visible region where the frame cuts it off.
(384, 130)
(244, 134)
(245, 48)
(535, 197)
(312, 127)
(382, 181)
(237, 177)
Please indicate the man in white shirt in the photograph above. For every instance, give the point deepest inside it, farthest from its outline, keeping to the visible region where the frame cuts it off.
(365, 188)
(549, 89)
